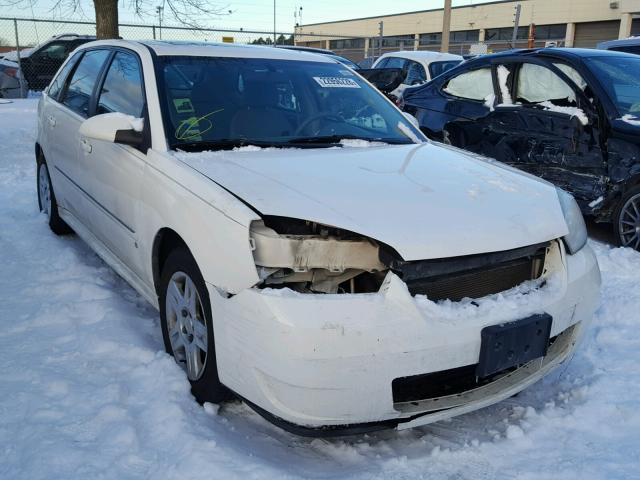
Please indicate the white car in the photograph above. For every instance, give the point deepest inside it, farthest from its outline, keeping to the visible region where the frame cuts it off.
(420, 66)
(308, 249)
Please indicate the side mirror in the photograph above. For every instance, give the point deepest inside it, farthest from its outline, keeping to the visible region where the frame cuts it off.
(114, 127)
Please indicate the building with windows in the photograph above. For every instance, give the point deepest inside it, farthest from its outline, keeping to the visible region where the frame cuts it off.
(571, 23)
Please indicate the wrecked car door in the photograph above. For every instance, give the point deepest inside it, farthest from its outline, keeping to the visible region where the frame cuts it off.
(455, 112)
(539, 121)
(544, 124)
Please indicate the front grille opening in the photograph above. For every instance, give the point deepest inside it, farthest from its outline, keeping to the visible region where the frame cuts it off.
(443, 383)
(475, 276)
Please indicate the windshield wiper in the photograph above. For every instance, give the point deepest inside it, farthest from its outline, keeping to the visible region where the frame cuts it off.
(222, 144)
(336, 139)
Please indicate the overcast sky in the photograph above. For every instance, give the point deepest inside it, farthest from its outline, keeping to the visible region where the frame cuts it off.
(252, 14)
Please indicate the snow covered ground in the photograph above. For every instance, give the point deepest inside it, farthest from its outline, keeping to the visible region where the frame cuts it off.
(86, 390)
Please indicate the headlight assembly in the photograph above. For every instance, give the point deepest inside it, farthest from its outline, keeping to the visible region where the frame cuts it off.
(577, 236)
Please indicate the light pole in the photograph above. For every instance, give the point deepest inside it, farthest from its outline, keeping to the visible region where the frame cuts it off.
(274, 22)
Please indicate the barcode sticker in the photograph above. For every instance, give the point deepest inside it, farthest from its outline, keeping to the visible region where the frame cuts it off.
(336, 82)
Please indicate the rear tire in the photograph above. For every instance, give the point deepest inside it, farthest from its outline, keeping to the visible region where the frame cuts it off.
(47, 201)
(187, 327)
(626, 219)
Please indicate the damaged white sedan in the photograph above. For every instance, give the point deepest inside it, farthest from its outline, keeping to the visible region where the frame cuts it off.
(335, 288)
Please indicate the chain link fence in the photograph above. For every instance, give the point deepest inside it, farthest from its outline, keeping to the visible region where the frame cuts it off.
(41, 45)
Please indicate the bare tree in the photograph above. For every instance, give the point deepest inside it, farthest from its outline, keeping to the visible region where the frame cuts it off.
(186, 12)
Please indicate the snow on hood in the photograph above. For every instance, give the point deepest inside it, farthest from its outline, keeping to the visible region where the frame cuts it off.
(426, 201)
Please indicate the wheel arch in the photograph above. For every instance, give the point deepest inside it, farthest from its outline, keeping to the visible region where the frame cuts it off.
(165, 241)
(38, 153)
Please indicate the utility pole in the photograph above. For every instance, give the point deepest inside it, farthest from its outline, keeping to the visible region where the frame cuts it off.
(275, 39)
(381, 25)
(160, 11)
(446, 26)
(516, 22)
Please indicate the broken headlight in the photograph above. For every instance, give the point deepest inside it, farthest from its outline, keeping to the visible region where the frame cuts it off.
(306, 256)
(577, 236)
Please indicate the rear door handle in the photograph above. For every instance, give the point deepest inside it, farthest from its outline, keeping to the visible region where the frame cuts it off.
(52, 120)
(86, 146)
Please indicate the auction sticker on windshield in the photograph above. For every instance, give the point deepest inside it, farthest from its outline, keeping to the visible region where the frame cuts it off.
(336, 82)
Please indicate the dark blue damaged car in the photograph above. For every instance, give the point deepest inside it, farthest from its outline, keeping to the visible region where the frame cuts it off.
(570, 116)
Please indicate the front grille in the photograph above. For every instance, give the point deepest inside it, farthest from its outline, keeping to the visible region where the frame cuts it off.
(473, 276)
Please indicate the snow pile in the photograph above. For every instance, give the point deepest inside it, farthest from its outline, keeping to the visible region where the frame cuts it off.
(631, 120)
(357, 143)
(572, 111)
(503, 76)
(489, 101)
(88, 392)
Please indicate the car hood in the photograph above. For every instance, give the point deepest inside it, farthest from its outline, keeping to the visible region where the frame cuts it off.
(426, 201)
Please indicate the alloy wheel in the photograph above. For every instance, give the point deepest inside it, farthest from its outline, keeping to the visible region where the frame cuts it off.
(44, 190)
(186, 324)
(629, 223)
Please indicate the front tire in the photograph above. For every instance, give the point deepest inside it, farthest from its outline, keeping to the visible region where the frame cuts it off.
(187, 328)
(47, 201)
(627, 220)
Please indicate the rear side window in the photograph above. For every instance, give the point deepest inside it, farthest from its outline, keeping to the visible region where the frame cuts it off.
(122, 89)
(58, 82)
(473, 85)
(415, 74)
(395, 62)
(628, 49)
(83, 80)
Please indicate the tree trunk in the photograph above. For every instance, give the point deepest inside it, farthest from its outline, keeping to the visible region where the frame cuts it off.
(106, 19)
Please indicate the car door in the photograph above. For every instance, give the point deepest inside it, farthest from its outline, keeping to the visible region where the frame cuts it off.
(114, 171)
(453, 110)
(543, 123)
(63, 118)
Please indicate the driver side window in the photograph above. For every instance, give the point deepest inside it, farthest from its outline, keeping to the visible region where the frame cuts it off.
(538, 84)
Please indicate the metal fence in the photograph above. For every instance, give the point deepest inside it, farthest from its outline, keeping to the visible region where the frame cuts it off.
(39, 65)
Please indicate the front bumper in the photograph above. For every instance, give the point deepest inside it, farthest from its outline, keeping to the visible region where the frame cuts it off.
(327, 361)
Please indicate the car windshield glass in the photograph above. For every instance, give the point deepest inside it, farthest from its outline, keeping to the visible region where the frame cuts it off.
(211, 102)
(438, 68)
(620, 77)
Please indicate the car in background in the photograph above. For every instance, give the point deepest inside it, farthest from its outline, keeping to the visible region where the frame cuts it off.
(11, 84)
(291, 266)
(40, 63)
(570, 116)
(322, 51)
(367, 63)
(418, 66)
(628, 45)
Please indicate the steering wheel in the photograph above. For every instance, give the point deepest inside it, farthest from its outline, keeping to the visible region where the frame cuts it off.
(308, 121)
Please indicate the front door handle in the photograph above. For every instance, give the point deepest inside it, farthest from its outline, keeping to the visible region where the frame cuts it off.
(52, 120)
(86, 146)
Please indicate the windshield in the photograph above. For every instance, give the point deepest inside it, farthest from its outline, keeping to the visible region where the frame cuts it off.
(620, 77)
(438, 68)
(214, 103)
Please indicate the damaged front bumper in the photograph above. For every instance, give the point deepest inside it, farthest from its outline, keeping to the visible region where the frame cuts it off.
(326, 363)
